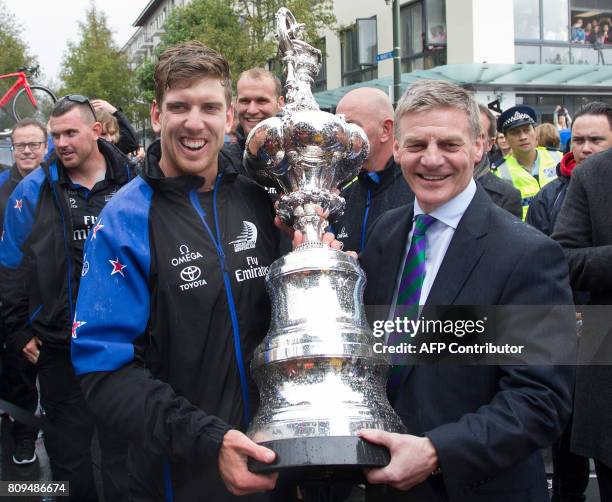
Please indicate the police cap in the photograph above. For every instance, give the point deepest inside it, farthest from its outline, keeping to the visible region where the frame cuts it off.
(515, 117)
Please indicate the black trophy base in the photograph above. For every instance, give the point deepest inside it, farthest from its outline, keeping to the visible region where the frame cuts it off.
(322, 458)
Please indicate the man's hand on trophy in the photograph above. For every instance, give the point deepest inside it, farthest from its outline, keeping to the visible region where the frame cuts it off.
(298, 237)
(413, 459)
(233, 456)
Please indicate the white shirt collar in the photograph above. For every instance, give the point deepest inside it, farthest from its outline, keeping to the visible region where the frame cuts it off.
(451, 212)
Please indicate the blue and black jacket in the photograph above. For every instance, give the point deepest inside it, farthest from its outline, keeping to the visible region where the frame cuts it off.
(367, 197)
(9, 179)
(38, 276)
(171, 307)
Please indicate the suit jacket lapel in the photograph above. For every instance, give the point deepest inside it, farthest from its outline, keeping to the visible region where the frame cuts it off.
(462, 255)
(393, 252)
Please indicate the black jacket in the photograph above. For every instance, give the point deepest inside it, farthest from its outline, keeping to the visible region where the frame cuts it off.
(583, 229)
(502, 193)
(235, 151)
(38, 276)
(546, 205)
(128, 139)
(366, 199)
(9, 179)
(158, 355)
(486, 421)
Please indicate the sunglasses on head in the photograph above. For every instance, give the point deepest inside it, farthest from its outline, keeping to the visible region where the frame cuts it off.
(78, 98)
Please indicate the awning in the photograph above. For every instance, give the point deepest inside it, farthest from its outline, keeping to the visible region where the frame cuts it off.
(503, 77)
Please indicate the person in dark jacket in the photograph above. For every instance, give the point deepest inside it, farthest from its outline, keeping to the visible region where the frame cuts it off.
(501, 191)
(589, 136)
(258, 97)
(380, 186)
(583, 230)
(173, 301)
(127, 139)
(29, 139)
(48, 217)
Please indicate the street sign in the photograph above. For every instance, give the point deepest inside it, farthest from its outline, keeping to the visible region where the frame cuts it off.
(384, 55)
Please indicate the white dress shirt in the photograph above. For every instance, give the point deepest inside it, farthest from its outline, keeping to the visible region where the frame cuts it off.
(438, 238)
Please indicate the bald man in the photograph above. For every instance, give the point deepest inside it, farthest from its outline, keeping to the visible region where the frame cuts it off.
(380, 186)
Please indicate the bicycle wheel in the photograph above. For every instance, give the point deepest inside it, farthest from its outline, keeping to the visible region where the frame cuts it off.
(45, 100)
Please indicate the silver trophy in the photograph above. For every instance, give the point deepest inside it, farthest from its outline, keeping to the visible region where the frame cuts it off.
(319, 378)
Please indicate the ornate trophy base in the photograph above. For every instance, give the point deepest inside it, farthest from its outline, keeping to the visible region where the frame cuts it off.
(322, 458)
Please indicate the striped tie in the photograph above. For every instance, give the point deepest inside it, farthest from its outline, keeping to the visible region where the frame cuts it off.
(409, 292)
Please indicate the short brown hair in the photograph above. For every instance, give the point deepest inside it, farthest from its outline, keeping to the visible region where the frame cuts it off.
(548, 136)
(260, 74)
(484, 110)
(28, 123)
(187, 62)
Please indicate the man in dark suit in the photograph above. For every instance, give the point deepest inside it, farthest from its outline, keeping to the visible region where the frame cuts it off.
(583, 229)
(474, 432)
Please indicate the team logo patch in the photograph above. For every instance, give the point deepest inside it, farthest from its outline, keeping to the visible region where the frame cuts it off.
(185, 256)
(118, 267)
(18, 204)
(95, 229)
(76, 325)
(85, 268)
(247, 239)
(343, 234)
(190, 275)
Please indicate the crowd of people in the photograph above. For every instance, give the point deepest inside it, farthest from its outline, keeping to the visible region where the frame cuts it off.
(146, 369)
(594, 31)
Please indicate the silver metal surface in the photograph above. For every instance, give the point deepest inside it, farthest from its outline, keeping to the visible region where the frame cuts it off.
(316, 370)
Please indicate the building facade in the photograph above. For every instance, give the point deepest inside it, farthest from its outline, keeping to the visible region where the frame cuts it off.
(150, 24)
(443, 33)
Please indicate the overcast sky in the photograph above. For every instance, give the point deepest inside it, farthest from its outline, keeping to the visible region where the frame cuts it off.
(48, 25)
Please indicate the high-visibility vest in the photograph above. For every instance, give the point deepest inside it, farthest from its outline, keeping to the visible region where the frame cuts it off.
(524, 181)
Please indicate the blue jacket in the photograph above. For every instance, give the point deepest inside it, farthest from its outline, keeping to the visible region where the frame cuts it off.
(38, 278)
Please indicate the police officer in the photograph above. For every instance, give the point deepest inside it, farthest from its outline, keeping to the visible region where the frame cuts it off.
(528, 167)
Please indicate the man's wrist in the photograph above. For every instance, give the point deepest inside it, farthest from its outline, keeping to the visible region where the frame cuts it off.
(432, 456)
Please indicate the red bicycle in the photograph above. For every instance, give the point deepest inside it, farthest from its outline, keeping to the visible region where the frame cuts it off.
(30, 101)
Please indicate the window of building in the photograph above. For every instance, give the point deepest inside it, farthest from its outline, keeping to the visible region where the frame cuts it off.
(555, 20)
(436, 22)
(527, 54)
(411, 20)
(526, 19)
(555, 55)
(563, 31)
(320, 82)
(423, 35)
(359, 48)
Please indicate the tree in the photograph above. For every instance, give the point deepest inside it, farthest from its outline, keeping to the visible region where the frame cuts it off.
(14, 54)
(241, 30)
(95, 67)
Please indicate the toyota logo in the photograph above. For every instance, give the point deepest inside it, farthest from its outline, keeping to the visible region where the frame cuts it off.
(190, 273)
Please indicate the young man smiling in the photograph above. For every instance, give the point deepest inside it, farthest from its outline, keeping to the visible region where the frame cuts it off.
(179, 258)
